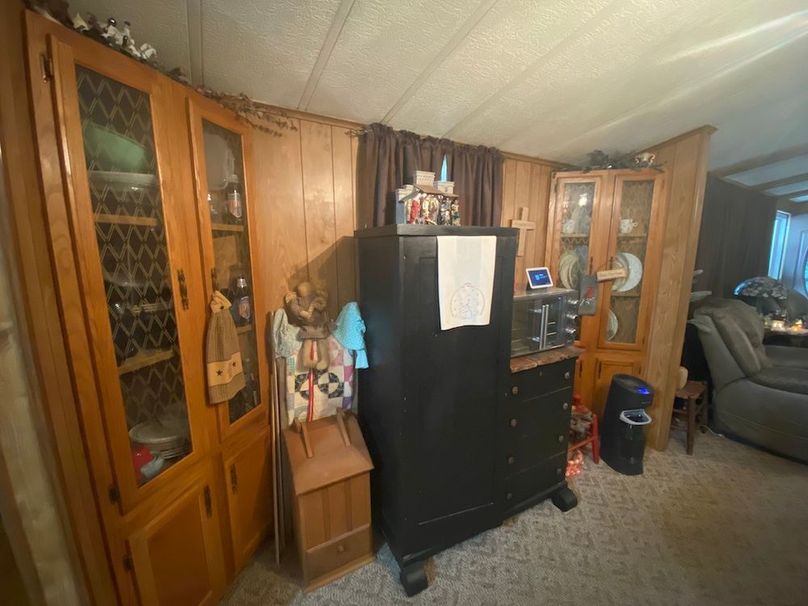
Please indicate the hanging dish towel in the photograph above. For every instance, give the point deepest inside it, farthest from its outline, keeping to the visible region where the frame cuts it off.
(465, 279)
(222, 353)
(349, 330)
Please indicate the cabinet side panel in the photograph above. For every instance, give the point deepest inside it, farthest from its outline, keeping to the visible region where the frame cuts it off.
(380, 388)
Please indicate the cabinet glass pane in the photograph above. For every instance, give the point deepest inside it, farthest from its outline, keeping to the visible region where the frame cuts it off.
(577, 201)
(125, 196)
(636, 199)
(227, 207)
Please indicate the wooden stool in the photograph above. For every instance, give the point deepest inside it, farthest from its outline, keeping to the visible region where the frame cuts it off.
(694, 395)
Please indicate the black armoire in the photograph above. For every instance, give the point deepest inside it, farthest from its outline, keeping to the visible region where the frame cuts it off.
(431, 400)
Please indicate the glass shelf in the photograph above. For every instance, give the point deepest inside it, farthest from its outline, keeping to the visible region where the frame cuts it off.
(144, 359)
(127, 220)
(226, 227)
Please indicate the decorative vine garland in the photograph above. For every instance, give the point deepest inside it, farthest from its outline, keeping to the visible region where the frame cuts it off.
(262, 116)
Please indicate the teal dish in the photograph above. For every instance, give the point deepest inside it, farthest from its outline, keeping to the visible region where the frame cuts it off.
(126, 154)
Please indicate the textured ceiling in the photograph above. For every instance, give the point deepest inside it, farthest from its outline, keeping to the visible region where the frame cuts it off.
(550, 78)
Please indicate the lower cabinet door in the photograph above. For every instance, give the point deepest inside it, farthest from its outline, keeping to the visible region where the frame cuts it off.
(606, 368)
(248, 475)
(177, 555)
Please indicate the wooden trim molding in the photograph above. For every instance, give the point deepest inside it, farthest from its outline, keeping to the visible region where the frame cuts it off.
(686, 159)
(41, 329)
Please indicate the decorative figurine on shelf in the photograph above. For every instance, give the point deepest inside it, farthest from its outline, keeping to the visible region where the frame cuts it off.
(425, 204)
(455, 212)
(307, 308)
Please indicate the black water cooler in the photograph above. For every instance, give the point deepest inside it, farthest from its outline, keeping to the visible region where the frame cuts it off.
(622, 433)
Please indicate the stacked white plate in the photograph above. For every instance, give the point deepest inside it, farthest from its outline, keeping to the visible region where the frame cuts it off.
(570, 266)
(611, 326)
(167, 438)
(633, 267)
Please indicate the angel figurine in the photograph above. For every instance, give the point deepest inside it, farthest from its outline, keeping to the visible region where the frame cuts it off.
(306, 307)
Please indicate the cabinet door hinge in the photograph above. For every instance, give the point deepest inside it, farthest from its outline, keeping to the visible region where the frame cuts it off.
(46, 65)
(127, 562)
(208, 501)
(114, 494)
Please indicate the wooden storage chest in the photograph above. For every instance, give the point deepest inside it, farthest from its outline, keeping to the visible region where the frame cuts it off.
(331, 483)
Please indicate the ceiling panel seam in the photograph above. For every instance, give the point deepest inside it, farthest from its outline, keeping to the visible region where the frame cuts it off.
(678, 93)
(330, 41)
(196, 56)
(444, 53)
(529, 70)
(779, 182)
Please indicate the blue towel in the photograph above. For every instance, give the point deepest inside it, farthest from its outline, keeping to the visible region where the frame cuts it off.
(349, 330)
(284, 336)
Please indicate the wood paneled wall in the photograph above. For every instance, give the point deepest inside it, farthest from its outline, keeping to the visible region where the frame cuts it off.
(685, 159)
(526, 184)
(305, 189)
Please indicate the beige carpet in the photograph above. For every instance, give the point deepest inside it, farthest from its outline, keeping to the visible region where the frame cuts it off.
(728, 525)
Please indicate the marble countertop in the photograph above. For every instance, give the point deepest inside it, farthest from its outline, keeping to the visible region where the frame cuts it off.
(544, 358)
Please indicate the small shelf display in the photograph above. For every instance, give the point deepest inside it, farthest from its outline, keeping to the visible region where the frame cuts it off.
(136, 267)
(232, 271)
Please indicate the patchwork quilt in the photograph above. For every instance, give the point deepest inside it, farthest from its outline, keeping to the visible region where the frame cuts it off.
(314, 394)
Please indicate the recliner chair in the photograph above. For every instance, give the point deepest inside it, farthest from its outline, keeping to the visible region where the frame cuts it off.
(760, 393)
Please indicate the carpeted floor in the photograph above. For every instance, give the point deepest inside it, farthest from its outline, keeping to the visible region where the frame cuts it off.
(728, 525)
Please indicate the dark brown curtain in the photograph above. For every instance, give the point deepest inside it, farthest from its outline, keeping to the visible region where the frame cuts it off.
(735, 237)
(387, 159)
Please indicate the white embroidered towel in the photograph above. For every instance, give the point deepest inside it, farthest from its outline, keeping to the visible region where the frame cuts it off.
(465, 279)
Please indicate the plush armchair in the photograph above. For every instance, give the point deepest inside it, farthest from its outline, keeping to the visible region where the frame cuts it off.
(760, 393)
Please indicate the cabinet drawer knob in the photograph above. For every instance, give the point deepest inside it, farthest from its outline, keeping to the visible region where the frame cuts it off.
(567, 375)
(509, 496)
(565, 406)
(340, 548)
(511, 460)
(560, 438)
(514, 423)
(515, 390)
(559, 471)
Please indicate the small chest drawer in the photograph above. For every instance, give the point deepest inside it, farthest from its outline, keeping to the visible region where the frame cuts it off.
(345, 549)
(535, 429)
(542, 379)
(535, 482)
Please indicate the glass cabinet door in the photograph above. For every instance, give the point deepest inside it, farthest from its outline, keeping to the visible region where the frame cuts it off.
(222, 196)
(578, 248)
(135, 312)
(632, 224)
(575, 206)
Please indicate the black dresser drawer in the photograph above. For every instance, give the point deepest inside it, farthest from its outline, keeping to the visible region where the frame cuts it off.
(534, 484)
(535, 429)
(542, 379)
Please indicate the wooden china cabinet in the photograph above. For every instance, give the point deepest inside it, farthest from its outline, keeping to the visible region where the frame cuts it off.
(602, 220)
(148, 203)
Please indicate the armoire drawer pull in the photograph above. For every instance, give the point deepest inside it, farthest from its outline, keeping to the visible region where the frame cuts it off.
(513, 423)
(560, 438)
(511, 460)
(515, 390)
(509, 496)
(567, 376)
(565, 406)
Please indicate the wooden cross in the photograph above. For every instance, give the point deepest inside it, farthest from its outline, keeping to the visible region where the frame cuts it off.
(524, 226)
